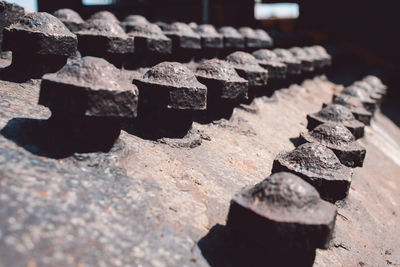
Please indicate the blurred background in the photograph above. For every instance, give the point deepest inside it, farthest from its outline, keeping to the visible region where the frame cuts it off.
(363, 36)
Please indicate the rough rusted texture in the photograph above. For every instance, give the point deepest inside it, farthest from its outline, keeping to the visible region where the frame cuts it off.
(358, 92)
(71, 19)
(340, 140)
(147, 203)
(247, 67)
(149, 37)
(266, 40)
(307, 62)
(270, 61)
(171, 85)
(319, 166)
(376, 83)
(293, 64)
(89, 86)
(339, 114)
(221, 80)
(182, 36)
(104, 36)
(282, 209)
(210, 38)
(104, 15)
(9, 14)
(356, 107)
(232, 38)
(252, 40)
(45, 34)
(319, 61)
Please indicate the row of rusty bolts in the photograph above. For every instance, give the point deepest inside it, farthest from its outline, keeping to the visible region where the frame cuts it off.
(89, 96)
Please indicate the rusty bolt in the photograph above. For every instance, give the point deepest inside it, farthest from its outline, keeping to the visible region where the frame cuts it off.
(293, 64)
(339, 114)
(222, 80)
(45, 34)
(307, 62)
(247, 67)
(266, 40)
(70, 18)
(100, 37)
(171, 85)
(89, 86)
(183, 36)
(104, 15)
(319, 166)
(252, 39)
(132, 21)
(282, 210)
(372, 93)
(149, 37)
(210, 38)
(358, 92)
(356, 107)
(269, 60)
(376, 83)
(340, 140)
(9, 14)
(232, 38)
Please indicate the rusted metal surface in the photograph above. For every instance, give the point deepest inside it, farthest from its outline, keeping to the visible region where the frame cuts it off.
(319, 166)
(355, 105)
(266, 40)
(133, 20)
(252, 39)
(210, 38)
(336, 113)
(105, 15)
(147, 203)
(293, 64)
(71, 19)
(270, 61)
(282, 209)
(247, 67)
(307, 62)
(340, 140)
(9, 14)
(149, 38)
(183, 36)
(358, 92)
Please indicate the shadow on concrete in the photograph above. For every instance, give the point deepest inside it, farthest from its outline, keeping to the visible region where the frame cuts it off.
(221, 248)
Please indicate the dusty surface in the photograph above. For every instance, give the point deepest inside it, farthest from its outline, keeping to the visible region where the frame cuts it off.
(148, 204)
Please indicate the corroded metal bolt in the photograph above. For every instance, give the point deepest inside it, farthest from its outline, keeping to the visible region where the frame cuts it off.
(307, 62)
(169, 94)
(232, 38)
(372, 93)
(222, 81)
(150, 38)
(105, 39)
(247, 67)
(266, 40)
(323, 54)
(340, 140)
(210, 38)
(88, 98)
(319, 61)
(282, 210)
(50, 44)
(358, 92)
(133, 20)
(252, 39)
(70, 18)
(356, 107)
(319, 166)
(376, 83)
(270, 61)
(339, 114)
(105, 15)
(9, 14)
(292, 63)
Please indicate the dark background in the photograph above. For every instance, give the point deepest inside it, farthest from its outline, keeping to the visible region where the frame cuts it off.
(362, 36)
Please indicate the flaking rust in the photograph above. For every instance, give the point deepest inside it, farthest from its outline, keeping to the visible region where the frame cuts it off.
(319, 166)
(270, 61)
(340, 140)
(339, 114)
(282, 210)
